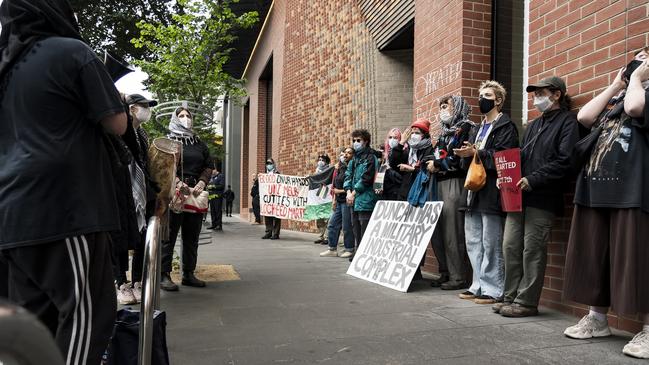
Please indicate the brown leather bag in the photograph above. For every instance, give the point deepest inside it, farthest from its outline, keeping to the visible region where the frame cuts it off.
(476, 177)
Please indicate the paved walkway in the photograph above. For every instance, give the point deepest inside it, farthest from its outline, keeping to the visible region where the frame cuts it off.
(293, 307)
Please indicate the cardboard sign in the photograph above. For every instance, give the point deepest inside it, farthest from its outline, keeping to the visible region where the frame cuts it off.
(508, 165)
(394, 243)
(283, 196)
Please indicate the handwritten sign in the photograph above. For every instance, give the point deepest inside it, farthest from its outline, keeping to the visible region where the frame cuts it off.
(394, 243)
(283, 196)
(508, 165)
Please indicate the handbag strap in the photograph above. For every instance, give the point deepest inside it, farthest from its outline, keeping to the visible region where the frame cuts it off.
(476, 158)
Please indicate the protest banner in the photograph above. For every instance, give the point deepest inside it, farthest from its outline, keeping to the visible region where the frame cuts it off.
(283, 196)
(319, 199)
(508, 165)
(394, 243)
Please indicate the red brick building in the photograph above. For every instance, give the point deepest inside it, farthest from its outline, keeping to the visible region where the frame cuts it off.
(319, 69)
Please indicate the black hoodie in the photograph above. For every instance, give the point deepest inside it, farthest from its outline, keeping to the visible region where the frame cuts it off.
(26, 21)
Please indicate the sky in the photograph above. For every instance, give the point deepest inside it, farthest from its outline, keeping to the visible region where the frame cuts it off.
(132, 83)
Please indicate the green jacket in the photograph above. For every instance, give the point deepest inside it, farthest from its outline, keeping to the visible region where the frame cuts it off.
(359, 177)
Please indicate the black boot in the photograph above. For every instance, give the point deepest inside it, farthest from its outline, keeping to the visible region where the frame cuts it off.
(190, 280)
(166, 283)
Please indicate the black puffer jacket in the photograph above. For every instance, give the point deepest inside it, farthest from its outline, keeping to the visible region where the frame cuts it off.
(398, 156)
(503, 136)
(545, 155)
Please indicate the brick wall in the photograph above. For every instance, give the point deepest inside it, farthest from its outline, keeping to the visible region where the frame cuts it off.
(393, 91)
(269, 48)
(328, 84)
(586, 42)
(451, 56)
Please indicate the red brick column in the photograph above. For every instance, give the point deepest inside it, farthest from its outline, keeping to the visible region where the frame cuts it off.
(452, 56)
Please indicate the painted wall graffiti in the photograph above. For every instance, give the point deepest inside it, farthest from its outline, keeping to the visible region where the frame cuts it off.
(430, 82)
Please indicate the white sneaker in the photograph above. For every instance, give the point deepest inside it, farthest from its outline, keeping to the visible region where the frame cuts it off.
(137, 291)
(125, 294)
(329, 253)
(638, 346)
(588, 327)
(346, 254)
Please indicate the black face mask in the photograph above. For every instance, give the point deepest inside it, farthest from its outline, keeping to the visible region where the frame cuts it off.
(629, 70)
(486, 105)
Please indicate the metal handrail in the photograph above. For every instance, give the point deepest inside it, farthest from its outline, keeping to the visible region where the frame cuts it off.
(150, 289)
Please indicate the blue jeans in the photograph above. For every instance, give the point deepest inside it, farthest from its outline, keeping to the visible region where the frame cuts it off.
(341, 218)
(484, 234)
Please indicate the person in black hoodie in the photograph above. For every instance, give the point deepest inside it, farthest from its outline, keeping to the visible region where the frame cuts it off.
(409, 161)
(391, 178)
(545, 159)
(448, 239)
(483, 221)
(57, 195)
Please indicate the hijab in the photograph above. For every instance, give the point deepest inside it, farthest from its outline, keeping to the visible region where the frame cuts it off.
(178, 132)
(24, 22)
(461, 111)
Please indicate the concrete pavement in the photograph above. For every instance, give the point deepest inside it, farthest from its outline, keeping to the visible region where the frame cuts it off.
(293, 307)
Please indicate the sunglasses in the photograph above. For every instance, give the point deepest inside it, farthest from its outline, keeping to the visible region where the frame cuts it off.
(392, 137)
(357, 140)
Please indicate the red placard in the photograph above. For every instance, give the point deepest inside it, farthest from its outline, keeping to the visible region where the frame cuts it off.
(508, 165)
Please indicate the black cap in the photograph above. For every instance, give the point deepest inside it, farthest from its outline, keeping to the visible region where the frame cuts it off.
(555, 82)
(139, 99)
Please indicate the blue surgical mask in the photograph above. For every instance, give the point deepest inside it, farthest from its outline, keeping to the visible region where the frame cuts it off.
(393, 142)
(358, 146)
(321, 163)
(270, 167)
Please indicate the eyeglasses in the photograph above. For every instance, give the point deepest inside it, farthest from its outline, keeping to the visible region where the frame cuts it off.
(392, 137)
(357, 140)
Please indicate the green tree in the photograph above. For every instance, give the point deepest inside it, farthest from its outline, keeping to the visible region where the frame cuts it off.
(185, 57)
(111, 24)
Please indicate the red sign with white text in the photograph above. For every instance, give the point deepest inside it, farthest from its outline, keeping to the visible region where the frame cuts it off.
(508, 165)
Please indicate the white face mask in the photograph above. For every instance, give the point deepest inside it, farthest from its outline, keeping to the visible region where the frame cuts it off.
(542, 103)
(445, 116)
(393, 142)
(143, 115)
(321, 163)
(186, 122)
(414, 139)
(357, 146)
(342, 158)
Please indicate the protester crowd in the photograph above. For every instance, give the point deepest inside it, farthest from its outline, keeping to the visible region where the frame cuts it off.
(71, 144)
(604, 147)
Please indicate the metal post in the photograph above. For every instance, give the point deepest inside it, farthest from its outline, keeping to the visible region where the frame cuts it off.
(150, 289)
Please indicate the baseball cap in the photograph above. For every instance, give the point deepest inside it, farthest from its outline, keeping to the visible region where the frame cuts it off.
(139, 99)
(552, 81)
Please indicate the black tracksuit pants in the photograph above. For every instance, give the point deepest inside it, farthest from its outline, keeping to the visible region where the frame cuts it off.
(68, 285)
(190, 224)
(4, 278)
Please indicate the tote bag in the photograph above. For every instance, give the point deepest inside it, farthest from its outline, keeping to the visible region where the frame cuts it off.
(476, 177)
